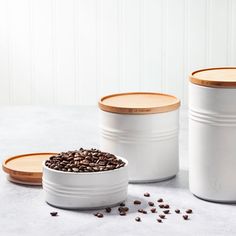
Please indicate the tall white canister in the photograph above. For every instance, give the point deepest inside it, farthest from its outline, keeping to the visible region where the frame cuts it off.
(212, 134)
(143, 128)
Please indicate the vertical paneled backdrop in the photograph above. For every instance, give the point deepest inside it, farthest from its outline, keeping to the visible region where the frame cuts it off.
(74, 51)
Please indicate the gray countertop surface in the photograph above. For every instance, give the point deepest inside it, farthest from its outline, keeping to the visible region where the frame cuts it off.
(23, 211)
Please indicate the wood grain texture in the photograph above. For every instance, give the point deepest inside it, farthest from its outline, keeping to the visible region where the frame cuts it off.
(72, 52)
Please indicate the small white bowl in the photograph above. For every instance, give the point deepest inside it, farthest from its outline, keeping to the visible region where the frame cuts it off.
(87, 190)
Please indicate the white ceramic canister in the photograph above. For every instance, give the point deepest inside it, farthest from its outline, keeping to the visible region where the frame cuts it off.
(143, 127)
(87, 190)
(212, 134)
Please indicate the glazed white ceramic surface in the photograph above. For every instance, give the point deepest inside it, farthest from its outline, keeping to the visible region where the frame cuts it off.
(85, 190)
(212, 143)
(148, 141)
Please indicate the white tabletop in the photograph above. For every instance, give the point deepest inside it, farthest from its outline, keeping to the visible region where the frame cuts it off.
(23, 210)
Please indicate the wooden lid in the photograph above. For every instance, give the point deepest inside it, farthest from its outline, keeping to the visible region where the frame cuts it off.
(27, 168)
(139, 103)
(224, 77)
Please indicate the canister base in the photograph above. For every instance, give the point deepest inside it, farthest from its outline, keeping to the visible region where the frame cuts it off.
(215, 201)
(86, 208)
(150, 181)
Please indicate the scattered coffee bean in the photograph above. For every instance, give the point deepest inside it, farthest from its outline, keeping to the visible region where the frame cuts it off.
(166, 206)
(185, 217)
(137, 202)
(160, 200)
(151, 204)
(122, 204)
(166, 211)
(153, 210)
(122, 213)
(83, 160)
(140, 210)
(159, 220)
(99, 215)
(161, 205)
(177, 211)
(189, 211)
(138, 219)
(144, 212)
(123, 209)
(162, 216)
(126, 209)
(108, 209)
(54, 213)
(146, 194)
(120, 209)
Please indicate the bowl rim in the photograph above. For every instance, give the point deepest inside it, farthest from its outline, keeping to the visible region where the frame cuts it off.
(87, 173)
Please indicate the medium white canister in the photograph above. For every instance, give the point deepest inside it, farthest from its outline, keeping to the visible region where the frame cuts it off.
(143, 128)
(212, 134)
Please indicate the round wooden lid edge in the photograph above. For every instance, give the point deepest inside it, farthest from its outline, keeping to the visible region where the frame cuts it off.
(211, 83)
(20, 173)
(138, 111)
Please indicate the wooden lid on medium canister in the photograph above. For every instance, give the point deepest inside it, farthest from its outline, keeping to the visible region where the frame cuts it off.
(224, 77)
(139, 103)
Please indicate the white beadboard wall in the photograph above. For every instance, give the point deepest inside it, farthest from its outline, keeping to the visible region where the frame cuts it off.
(73, 51)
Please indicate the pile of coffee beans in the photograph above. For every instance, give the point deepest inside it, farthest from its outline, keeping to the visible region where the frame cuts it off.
(162, 211)
(84, 160)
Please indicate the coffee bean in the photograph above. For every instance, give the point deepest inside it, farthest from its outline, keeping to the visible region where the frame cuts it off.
(162, 216)
(166, 206)
(150, 203)
(83, 160)
(137, 202)
(138, 219)
(159, 220)
(161, 205)
(122, 204)
(120, 209)
(153, 210)
(146, 194)
(108, 209)
(185, 217)
(142, 211)
(177, 211)
(54, 213)
(189, 211)
(99, 215)
(166, 211)
(160, 200)
(122, 213)
(126, 209)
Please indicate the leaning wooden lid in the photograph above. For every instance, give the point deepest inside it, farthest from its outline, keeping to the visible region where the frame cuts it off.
(139, 103)
(27, 168)
(224, 77)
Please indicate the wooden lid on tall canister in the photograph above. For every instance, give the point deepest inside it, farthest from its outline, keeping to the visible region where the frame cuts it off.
(139, 103)
(224, 77)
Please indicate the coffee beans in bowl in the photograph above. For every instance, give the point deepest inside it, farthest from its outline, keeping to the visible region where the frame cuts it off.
(84, 160)
(85, 179)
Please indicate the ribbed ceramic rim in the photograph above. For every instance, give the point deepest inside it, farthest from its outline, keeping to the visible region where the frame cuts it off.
(212, 83)
(87, 173)
(22, 174)
(138, 111)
